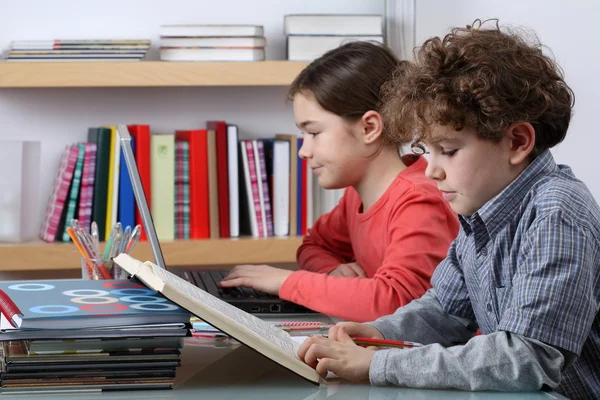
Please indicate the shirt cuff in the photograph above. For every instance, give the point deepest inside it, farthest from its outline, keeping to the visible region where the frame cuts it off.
(386, 329)
(378, 367)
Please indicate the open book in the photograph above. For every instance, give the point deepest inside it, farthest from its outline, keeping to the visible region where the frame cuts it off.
(255, 333)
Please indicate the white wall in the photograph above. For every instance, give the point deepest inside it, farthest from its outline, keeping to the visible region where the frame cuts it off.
(568, 28)
(59, 117)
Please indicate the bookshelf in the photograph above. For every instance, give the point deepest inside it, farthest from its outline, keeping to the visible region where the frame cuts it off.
(62, 256)
(147, 74)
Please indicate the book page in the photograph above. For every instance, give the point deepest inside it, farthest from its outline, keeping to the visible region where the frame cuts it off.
(264, 330)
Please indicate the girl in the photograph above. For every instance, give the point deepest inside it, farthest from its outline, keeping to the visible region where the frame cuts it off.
(377, 249)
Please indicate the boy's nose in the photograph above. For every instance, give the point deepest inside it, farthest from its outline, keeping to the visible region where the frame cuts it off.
(434, 172)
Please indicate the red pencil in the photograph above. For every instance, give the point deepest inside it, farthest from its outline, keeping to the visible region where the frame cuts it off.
(362, 341)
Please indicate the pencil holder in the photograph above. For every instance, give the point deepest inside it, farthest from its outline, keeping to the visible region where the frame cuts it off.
(89, 270)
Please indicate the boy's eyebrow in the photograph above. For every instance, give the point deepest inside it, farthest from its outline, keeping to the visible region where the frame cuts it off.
(440, 139)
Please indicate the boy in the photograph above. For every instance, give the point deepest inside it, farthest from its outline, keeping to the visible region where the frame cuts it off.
(525, 267)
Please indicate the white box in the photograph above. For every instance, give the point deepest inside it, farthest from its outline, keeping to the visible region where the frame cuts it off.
(19, 190)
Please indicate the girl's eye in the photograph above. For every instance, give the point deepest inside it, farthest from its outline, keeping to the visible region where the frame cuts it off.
(312, 133)
(449, 153)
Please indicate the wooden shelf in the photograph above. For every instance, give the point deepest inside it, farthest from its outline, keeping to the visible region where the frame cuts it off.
(147, 74)
(62, 256)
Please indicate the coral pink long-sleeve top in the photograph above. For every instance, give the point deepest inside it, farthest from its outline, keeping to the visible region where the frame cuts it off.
(398, 242)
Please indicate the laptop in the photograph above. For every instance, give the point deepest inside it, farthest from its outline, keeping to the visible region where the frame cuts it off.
(245, 298)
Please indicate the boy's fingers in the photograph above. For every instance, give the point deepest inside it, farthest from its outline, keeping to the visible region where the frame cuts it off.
(324, 366)
(304, 346)
(343, 336)
(317, 351)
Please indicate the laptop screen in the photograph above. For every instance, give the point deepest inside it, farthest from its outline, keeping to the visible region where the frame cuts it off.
(138, 192)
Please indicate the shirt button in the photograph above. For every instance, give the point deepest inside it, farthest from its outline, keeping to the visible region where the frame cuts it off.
(484, 252)
(489, 307)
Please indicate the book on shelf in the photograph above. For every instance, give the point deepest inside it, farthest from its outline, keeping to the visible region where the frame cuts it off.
(249, 330)
(182, 189)
(211, 41)
(83, 304)
(209, 30)
(220, 132)
(86, 194)
(162, 188)
(199, 199)
(308, 48)
(140, 133)
(71, 205)
(213, 184)
(233, 180)
(333, 24)
(76, 50)
(293, 203)
(75, 43)
(211, 54)
(60, 189)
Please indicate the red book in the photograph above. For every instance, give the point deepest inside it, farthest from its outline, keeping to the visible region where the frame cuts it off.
(220, 128)
(141, 135)
(199, 207)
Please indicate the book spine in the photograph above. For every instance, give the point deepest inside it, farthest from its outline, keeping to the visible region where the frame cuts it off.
(220, 128)
(9, 308)
(141, 135)
(86, 194)
(74, 190)
(254, 186)
(56, 203)
(265, 187)
(233, 180)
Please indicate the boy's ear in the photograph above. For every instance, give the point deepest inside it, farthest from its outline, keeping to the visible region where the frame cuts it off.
(522, 141)
(372, 126)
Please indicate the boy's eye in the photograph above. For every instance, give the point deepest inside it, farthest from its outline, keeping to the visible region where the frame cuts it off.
(448, 153)
(312, 133)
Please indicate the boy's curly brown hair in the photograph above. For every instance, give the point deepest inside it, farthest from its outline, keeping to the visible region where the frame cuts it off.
(482, 78)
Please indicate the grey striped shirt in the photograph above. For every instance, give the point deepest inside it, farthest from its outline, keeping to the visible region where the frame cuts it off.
(525, 269)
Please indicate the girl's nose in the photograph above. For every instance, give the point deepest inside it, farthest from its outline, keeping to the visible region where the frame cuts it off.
(305, 150)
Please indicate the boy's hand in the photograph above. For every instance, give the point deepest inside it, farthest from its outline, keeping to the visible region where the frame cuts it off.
(342, 357)
(353, 329)
(259, 277)
(350, 270)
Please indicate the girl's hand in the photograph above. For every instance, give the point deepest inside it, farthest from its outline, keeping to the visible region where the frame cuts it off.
(342, 357)
(350, 270)
(259, 277)
(353, 329)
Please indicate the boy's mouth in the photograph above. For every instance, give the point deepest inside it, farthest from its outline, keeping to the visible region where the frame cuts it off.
(448, 195)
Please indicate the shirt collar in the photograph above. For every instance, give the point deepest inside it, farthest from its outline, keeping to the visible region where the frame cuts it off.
(501, 207)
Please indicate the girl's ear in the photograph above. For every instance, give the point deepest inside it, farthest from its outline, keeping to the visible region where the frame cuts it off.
(372, 126)
(522, 141)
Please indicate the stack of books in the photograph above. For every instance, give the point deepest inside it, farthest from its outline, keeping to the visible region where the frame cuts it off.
(309, 36)
(78, 50)
(85, 335)
(212, 43)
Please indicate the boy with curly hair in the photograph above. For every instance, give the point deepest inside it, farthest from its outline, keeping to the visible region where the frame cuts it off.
(525, 267)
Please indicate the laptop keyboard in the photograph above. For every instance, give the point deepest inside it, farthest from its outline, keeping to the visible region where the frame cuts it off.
(209, 282)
